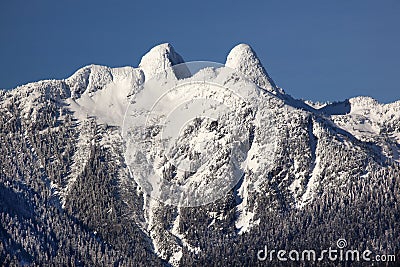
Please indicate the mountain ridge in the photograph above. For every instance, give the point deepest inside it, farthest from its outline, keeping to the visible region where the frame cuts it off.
(64, 156)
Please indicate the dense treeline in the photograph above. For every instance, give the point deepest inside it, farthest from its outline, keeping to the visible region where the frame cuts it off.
(66, 198)
(365, 212)
(36, 162)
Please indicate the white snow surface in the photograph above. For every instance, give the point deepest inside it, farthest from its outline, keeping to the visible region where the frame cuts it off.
(158, 59)
(104, 93)
(243, 59)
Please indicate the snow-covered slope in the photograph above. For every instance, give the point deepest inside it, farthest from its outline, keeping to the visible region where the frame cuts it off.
(292, 158)
(243, 59)
(369, 121)
(161, 58)
(103, 92)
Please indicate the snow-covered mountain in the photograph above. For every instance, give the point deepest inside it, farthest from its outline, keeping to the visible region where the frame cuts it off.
(309, 173)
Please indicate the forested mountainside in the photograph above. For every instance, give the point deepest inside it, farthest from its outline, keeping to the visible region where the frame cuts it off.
(67, 196)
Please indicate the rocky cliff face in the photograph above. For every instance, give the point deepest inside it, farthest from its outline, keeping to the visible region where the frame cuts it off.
(309, 175)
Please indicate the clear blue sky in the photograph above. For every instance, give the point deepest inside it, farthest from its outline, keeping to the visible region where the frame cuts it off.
(318, 50)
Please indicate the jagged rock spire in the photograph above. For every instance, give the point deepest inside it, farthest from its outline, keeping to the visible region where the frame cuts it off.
(243, 58)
